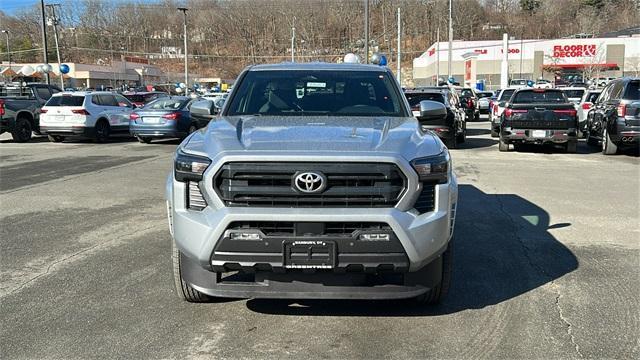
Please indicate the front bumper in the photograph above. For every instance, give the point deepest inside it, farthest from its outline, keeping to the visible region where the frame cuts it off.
(319, 285)
(422, 238)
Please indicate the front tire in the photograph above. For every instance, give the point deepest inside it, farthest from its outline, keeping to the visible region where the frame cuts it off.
(451, 143)
(103, 131)
(590, 139)
(462, 137)
(494, 133)
(184, 290)
(608, 146)
(439, 292)
(503, 146)
(22, 130)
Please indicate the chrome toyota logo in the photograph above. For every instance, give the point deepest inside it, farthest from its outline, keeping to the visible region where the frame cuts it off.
(310, 182)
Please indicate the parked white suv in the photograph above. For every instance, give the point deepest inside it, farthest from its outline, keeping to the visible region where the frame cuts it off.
(94, 115)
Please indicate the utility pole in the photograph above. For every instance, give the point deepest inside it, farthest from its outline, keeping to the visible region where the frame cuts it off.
(450, 54)
(293, 43)
(186, 64)
(438, 56)
(504, 66)
(399, 57)
(43, 27)
(366, 31)
(54, 22)
(6, 32)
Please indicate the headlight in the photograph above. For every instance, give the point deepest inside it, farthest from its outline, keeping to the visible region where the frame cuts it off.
(433, 168)
(189, 167)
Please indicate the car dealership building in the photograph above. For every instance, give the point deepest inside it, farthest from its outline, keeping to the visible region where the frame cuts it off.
(559, 60)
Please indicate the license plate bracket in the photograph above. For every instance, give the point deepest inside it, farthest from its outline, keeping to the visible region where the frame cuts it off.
(539, 133)
(309, 254)
(150, 120)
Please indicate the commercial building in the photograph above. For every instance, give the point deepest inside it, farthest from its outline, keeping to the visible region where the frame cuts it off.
(132, 71)
(559, 60)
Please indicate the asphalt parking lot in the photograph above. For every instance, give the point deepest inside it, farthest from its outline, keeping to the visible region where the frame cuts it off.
(547, 256)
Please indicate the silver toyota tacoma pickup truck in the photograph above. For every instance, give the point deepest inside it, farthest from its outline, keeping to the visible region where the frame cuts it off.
(314, 182)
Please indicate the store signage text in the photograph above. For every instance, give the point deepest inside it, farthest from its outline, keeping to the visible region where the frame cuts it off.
(565, 51)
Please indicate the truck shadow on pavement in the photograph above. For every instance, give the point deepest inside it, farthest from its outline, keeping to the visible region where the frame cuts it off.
(502, 249)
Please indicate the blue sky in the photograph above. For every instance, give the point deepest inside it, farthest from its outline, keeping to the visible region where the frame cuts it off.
(10, 7)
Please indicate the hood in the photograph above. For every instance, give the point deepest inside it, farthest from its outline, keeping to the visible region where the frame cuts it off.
(381, 135)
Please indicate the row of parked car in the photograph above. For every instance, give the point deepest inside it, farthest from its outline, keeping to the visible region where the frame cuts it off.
(46, 110)
(608, 117)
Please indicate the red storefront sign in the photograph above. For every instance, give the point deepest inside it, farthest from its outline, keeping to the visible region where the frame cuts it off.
(467, 70)
(565, 51)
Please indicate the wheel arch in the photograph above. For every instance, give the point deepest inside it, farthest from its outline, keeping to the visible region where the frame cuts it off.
(24, 114)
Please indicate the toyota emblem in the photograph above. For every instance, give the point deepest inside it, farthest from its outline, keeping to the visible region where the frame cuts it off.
(310, 182)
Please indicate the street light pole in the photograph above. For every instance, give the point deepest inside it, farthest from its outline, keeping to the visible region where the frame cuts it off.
(450, 54)
(186, 56)
(366, 31)
(438, 57)
(43, 27)
(399, 57)
(521, 53)
(293, 43)
(6, 32)
(55, 34)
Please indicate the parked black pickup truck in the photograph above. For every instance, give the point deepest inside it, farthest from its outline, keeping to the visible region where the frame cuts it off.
(539, 116)
(20, 108)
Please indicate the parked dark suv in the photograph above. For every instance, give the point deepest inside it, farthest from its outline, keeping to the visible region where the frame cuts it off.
(614, 119)
(453, 129)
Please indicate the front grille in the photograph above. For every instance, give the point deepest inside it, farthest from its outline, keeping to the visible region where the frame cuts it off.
(279, 228)
(270, 184)
(427, 200)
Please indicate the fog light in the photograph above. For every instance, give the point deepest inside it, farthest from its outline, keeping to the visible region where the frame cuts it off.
(374, 237)
(244, 236)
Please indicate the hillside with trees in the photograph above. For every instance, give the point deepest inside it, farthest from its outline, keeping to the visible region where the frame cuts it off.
(224, 36)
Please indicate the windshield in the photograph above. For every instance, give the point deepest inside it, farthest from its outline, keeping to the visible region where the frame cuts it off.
(574, 93)
(506, 95)
(539, 97)
(519, 82)
(65, 100)
(166, 104)
(414, 99)
(307, 92)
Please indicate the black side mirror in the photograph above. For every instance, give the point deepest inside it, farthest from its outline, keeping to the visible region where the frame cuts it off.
(432, 110)
(502, 103)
